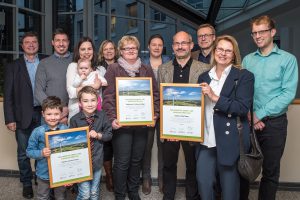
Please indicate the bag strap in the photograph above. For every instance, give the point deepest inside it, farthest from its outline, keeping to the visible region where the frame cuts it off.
(253, 139)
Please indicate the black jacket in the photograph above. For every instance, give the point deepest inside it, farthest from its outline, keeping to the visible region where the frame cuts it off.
(101, 125)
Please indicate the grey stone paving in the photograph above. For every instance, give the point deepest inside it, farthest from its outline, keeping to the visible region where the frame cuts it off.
(11, 189)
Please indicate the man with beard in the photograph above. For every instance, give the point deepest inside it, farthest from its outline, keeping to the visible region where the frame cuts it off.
(51, 74)
(182, 69)
(206, 35)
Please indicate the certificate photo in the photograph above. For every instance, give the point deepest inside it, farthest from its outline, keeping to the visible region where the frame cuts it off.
(181, 112)
(70, 159)
(134, 101)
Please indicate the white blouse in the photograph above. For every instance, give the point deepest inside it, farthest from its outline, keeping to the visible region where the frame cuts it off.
(216, 85)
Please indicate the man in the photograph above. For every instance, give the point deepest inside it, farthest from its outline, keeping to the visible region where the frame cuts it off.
(22, 114)
(182, 69)
(206, 35)
(276, 78)
(51, 73)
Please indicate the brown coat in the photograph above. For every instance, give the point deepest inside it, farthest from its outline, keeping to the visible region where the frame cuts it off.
(109, 95)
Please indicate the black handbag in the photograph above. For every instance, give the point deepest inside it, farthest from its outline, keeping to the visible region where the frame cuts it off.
(249, 164)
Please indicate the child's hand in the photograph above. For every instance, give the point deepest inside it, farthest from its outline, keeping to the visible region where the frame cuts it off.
(46, 152)
(93, 134)
(83, 76)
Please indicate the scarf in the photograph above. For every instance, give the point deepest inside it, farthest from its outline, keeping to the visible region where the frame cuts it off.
(131, 70)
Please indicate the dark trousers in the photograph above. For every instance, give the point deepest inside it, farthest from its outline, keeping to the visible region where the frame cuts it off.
(272, 142)
(207, 169)
(108, 151)
(22, 137)
(129, 145)
(148, 152)
(170, 157)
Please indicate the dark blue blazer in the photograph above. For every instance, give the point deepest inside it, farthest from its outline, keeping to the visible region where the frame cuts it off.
(18, 95)
(235, 100)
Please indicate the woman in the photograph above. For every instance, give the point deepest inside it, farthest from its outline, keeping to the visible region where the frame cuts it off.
(155, 59)
(83, 50)
(128, 142)
(107, 55)
(228, 93)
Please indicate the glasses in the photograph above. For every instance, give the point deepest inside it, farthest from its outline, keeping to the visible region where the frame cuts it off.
(127, 49)
(184, 43)
(205, 35)
(221, 50)
(253, 34)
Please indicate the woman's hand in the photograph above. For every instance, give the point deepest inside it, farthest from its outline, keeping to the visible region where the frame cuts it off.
(115, 124)
(97, 83)
(206, 90)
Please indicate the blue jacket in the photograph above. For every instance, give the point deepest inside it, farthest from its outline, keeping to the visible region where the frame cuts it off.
(235, 100)
(146, 61)
(35, 146)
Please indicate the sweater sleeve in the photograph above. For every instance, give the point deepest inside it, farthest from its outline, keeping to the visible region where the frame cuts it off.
(71, 72)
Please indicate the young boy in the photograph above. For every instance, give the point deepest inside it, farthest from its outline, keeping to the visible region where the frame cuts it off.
(51, 111)
(100, 131)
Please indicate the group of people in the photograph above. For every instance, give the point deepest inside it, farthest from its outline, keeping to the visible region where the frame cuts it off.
(80, 90)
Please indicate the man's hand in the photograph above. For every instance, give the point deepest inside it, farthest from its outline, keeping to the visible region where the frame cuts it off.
(259, 126)
(11, 126)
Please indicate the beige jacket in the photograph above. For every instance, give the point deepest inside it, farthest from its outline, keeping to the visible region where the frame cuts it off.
(166, 71)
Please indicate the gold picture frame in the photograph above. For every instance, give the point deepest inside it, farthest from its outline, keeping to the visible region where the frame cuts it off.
(70, 160)
(134, 101)
(181, 112)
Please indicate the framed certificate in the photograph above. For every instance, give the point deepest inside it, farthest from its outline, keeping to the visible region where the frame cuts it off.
(181, 112)
(70, 160)
(134, 101)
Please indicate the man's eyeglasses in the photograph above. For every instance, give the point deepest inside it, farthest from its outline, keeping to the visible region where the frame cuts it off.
(253, 34)
(221, 50)
(184, 43)
(127, 49)
(205, 35)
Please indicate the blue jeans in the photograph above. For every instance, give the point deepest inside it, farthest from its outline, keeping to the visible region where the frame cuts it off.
(207, 168)
(272, 142)
(89, 190)
(22, 137)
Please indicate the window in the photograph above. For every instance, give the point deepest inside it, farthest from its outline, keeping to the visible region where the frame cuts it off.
(159, 16)
(132, 12)
(113, 21)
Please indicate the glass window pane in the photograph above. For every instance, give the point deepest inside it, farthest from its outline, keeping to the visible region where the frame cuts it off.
(100, 6)
(166, 31)
(130, 8)
(6, 29)
(125, 27)
(73, 25)
(28, 21)
(4, 60)
(160, 16)
(31, 4)
(7, 1)
(190, 30)
(69, 5)
(99, 29)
